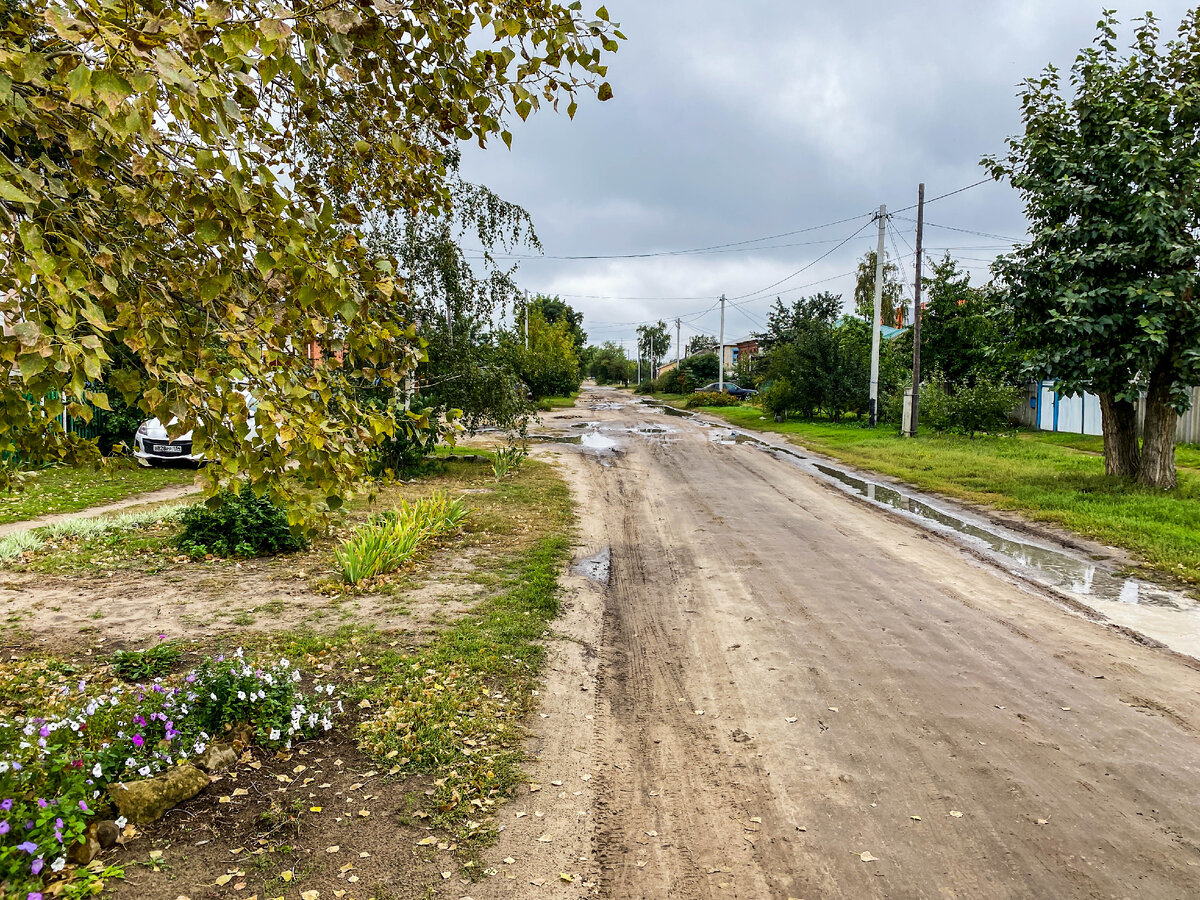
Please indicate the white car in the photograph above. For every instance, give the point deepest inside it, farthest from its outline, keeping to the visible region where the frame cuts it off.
(152, 445)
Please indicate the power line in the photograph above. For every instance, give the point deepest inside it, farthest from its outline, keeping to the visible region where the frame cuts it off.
(712, 249)
(999, 237)
(800, 271)
(944, 196)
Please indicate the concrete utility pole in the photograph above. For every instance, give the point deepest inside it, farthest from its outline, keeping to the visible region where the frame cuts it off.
(721, 351)
(916, 394)
(678, 346)
(875, 328)
(638, 343)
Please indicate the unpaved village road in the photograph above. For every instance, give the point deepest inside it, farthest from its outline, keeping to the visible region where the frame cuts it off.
(780, 692)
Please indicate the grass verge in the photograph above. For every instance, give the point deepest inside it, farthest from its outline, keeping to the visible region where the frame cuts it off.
(1048, 480)
(546, 404)
(63, 490)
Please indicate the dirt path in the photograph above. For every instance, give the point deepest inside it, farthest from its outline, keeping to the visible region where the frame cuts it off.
(797, 696)
(162, 495)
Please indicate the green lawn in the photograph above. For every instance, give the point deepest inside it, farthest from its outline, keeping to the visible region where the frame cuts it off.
(63, 489)
(1050, 478)
(546, 404)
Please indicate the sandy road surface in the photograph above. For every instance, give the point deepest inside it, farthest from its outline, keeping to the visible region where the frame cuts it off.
(793, 695)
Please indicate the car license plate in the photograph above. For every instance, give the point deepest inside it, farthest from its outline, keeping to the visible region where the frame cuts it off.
(168, 449)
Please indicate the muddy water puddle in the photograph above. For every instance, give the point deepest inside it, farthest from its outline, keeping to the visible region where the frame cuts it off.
(597, 567)
(1168, 616)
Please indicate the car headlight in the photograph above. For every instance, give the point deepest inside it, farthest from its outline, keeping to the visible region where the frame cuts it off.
(142, 429)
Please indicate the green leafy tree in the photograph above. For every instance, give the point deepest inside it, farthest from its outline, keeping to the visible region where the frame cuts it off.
(548, 366)
(701, 343)
(653, 343)
(166, 184)
(554, 310)
(966, 331)
(609, 364)
(894, 308)
(1105, 293)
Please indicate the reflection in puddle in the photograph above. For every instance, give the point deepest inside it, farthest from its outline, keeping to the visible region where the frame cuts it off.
(1053, 567)
(555, 439)
(597, 567)
(669, 410)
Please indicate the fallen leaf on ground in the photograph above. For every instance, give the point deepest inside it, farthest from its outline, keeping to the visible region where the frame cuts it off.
(956, 813)
(866, 856)
(545, 839)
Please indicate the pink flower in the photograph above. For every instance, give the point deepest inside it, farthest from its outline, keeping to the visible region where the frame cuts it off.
(138, 740)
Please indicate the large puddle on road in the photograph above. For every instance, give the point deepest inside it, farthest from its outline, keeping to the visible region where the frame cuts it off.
(1171, 617)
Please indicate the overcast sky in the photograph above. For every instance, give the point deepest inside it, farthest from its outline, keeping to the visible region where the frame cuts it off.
(737, 121)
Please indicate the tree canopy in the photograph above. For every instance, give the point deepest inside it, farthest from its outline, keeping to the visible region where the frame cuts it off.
(1105, 293)
(894, 308)
(189, 181)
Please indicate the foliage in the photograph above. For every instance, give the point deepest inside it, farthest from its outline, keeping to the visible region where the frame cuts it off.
(386, 544)
(819, 361)
(609, 364)
(55, 769)
(168, 185)
(241, 524)
(418, 434)
(712, 398)
(653, 343)
(893, 307)
(115, 427)
(17, 544)
(966, 331)
(554, 310)
(700, 343)
(508, 460)
(692, 372)
(153, 662)
(1104, 295)
(458, 305)
(549, 366)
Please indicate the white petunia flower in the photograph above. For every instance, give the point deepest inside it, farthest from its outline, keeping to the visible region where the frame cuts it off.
(97, 771)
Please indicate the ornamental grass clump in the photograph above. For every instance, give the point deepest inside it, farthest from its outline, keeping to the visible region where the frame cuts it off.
(55, 771)
(391, 540)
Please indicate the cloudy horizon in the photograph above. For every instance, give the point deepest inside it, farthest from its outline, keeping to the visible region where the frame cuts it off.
(732, 124)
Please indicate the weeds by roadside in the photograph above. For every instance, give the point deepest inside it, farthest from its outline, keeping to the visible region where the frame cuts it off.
(384, 545)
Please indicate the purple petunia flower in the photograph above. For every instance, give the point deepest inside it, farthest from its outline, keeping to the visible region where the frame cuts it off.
(83, 806)
(36, 868)
(6, 805)
(138, 740)
(4, 826)
(29, 847)
(34, 895)
(42, 803)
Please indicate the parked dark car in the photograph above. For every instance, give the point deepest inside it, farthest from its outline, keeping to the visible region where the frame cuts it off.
(730, 388)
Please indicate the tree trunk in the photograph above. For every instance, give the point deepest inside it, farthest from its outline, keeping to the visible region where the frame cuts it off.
(1121, 454)
(1158, 442)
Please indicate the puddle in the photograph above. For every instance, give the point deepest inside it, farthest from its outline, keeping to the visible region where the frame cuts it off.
(731, 438)
(597, 407)
(669, 410)
(596, 441)
(597, 567)
(1167, 616)
(586, 425)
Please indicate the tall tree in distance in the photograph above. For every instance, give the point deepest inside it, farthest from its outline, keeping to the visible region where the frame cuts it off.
(894, 308)
(1105, 295)
(653, 343)
(554, 310)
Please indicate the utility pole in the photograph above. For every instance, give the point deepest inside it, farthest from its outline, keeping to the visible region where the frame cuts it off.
(875, 327)
(639, 356)
(721, 351)
(678, 345)
(916, 394)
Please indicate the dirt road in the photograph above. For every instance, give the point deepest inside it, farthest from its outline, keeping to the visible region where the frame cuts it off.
(779, 692)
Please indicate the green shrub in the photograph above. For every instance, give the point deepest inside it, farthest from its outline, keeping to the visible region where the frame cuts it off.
(241, 524)
(712, 398)
(386, 544)
(144, 665)
(985, 406)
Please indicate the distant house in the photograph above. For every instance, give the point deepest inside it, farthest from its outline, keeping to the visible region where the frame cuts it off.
(735, 351)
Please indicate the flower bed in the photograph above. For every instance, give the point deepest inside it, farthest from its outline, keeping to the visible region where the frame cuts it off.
(55, 772)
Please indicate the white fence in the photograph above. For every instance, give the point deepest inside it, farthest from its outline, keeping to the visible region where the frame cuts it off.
(1048, 411)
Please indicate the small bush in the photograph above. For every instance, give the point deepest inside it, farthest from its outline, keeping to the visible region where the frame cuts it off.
(143, 665)
(239, 524)
(508, 460)
(386, 544)
(982, 407)
(712, 398)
